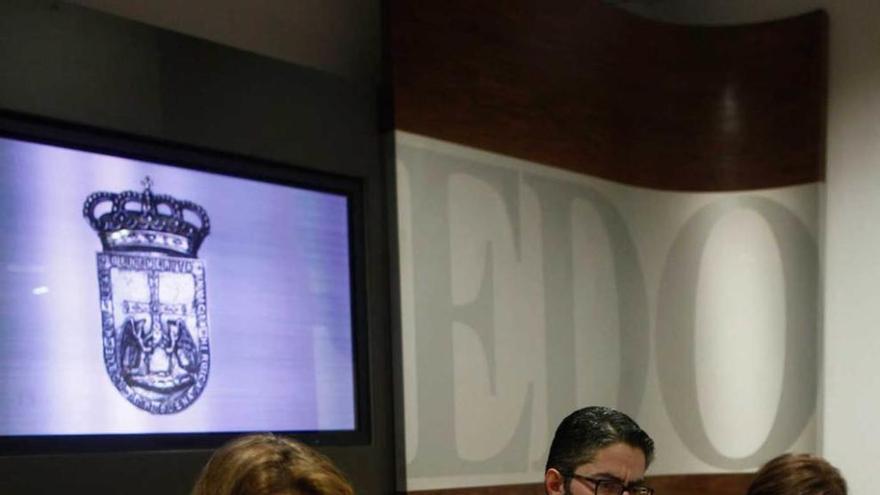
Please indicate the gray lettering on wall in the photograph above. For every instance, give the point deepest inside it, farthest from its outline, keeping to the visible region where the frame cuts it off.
(483, 234)
(435, 314)
(676, 326)
(556, 198)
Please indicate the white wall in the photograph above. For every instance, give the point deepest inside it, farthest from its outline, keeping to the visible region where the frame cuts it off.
(850, 399)
(529, 291)
(852, 245)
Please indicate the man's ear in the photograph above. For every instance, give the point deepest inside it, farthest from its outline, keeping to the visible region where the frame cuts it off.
(554, 482)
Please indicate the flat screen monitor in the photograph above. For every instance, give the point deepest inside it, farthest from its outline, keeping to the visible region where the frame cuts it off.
(157, 296)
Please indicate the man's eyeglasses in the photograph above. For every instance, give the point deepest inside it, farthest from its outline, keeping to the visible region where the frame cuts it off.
(611, 486)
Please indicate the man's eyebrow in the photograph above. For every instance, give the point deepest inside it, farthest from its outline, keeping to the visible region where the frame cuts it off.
(609, 476)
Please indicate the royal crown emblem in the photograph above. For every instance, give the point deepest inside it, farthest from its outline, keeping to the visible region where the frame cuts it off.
(154, 311)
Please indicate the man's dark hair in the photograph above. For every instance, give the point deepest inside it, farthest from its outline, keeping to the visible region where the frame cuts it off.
(586, 431)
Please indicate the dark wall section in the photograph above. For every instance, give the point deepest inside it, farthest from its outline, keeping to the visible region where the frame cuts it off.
(71, 64)
(585, 86)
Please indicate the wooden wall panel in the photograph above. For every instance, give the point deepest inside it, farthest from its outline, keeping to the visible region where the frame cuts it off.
(682, 484)
(702, 484)
(588, 87)
(529, 489)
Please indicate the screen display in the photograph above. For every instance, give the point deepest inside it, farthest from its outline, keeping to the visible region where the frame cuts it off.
(140, 298)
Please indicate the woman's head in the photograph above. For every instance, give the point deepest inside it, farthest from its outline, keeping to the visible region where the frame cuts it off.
(270, 465)
(798, 474)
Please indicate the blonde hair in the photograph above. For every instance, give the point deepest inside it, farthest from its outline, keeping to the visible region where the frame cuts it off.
(798, 474)
(266, 464)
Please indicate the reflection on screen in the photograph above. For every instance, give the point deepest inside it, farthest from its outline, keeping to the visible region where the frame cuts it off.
(145, 298)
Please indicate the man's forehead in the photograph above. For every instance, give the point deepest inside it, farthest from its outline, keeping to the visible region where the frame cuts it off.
(619, 461)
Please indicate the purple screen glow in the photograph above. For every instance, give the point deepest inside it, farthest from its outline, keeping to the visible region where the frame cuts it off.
(277, 290)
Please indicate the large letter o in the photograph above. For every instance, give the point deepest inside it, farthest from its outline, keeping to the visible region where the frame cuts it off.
(676, 312)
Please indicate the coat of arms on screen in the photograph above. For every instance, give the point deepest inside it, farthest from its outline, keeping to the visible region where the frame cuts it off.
(152, 296)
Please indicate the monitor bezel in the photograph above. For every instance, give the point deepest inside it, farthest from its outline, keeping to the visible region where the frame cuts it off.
(14, 125)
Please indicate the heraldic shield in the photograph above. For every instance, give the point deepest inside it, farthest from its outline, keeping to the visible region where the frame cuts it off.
(153, 302)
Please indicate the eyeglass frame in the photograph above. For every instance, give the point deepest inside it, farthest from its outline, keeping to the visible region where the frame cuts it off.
(597, 482)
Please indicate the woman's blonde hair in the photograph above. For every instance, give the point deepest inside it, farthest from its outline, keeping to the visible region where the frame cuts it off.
(266, 464)
(798, 474)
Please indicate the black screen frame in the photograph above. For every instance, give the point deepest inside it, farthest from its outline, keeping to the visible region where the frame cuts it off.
(24, 127)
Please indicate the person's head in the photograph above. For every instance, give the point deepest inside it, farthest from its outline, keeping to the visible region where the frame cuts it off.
(797, 474)
(270, 465)
(597, 451)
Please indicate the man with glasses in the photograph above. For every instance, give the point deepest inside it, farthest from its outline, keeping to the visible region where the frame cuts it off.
(598, 451)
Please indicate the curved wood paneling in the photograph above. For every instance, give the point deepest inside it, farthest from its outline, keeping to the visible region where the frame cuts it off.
(699, 484)
(679, 484)
(526, 489)
(588, 87)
